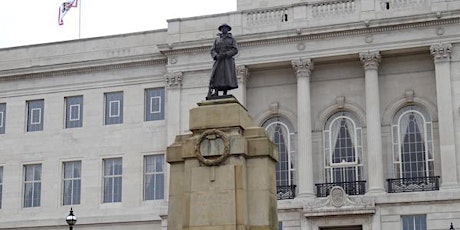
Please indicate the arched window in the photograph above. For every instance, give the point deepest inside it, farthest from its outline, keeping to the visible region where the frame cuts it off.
(412, 143)
(343, 148)
(281, 132)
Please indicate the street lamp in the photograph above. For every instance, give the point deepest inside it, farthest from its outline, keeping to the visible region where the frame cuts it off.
(451, 227)
(71, 219)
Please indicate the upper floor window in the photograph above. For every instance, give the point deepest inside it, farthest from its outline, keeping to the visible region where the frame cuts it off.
(32, 185)
(1, 185)
(113, 108)
(154, 104)
(73, 112)
(412, 143)
(72, 183)
(281, 132)
(154, 180)
(112, 180)
(416, 222)
(343, 148)
(35, 115)
(2, 117)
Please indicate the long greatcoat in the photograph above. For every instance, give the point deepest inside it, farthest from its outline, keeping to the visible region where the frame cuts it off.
(223, 76)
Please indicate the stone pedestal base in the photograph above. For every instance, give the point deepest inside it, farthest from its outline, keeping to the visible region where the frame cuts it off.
(223, 175)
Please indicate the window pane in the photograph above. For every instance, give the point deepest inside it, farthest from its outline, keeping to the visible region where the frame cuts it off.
(74, 112)
(153, 177)
(154, 104)
(71, 190)
(112, 180)
(280, 132)
(1, 185)
(32, 185)
(2, 117)
(35, 111)
(113, 108)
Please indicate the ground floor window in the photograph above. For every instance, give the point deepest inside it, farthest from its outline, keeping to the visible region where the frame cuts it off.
(415, 222)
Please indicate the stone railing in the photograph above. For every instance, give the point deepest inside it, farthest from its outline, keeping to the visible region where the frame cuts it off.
(335, 8)
(387, 5)
(267, 16)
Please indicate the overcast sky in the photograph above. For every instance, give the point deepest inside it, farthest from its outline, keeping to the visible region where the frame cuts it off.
(24, 22)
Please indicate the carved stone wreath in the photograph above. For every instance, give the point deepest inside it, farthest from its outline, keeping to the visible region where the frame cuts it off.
(221, 158)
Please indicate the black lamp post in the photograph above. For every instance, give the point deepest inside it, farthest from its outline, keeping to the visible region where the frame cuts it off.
(451, 227)
(71, 219)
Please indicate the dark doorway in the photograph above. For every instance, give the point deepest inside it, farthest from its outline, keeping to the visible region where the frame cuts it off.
(343, 228)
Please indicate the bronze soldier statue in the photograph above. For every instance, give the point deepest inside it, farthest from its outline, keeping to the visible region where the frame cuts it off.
(223, 76)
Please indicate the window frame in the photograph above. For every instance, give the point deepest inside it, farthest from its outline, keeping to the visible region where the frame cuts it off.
(356, 165)
(72, 179)
(34, 182)
(413, 219)
(154, 173)
(69, 103)
(1, 185)
(112, 196)
(428, 139)
(291, 150)
(150, 112)
(109, 99)
(35, 105)
(2, 117)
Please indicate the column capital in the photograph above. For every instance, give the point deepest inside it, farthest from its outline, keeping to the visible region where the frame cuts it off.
(370, 59)
(173, 80)
(441, 51)
(303, 67)
(242, 73)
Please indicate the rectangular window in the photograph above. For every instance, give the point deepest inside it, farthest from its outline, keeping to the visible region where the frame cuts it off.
(35, 115)
(113, 108)
(154, 104)
(32, 185)
(1, 185)
(416, 222)
(154, 177)
(112, 180)
(72, 183)
(73, 112)
(2, 117)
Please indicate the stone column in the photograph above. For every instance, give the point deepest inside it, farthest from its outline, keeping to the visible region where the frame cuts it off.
(370, 62)
(172, 116)
(303, 70)
(242, 75)
(441, 55)
(173, 91)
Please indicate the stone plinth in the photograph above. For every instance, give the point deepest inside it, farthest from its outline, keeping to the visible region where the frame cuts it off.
(222, 176)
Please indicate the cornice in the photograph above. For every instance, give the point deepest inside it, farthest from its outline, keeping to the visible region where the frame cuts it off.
(65, 70)
(252, 40)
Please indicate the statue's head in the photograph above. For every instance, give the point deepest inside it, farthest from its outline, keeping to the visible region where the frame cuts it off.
(224, 26)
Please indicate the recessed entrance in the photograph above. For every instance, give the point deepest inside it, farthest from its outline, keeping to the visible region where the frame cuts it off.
(343, 228)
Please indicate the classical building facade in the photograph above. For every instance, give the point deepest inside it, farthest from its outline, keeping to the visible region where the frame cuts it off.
(362, 98)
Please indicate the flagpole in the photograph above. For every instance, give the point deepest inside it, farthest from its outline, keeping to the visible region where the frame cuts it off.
(79, 20)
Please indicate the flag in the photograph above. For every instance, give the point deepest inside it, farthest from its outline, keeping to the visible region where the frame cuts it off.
(64, 8)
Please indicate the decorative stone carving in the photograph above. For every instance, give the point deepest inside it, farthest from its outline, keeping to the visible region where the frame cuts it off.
(441, 51)
(370, 60)
(409, 94)
(212, 135)
(340, 102)
(174, 79)
(274, 107)
(303, 67)
(339, 203)
(242, 73)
